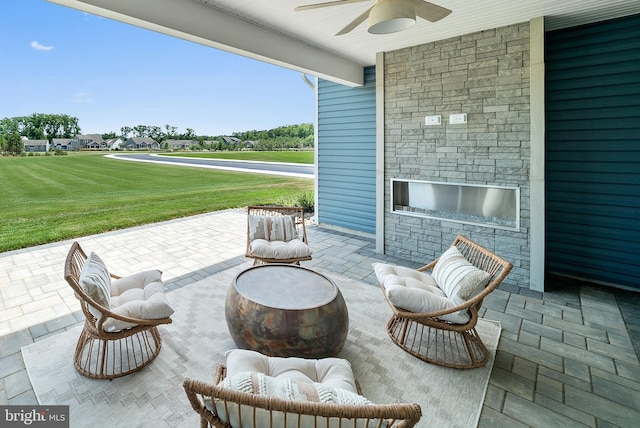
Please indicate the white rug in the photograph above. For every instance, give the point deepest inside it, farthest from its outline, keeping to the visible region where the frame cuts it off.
(196, 341)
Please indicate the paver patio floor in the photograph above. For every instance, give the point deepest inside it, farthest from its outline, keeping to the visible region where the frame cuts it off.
(565, 358)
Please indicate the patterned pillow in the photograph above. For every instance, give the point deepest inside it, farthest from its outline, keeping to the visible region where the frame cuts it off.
(459, 279)
(96, 282)
(277, 228)
(284, 389)
(290, 389)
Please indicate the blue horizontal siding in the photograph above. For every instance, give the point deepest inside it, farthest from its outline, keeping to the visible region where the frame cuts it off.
(347, 154)
(593, 151)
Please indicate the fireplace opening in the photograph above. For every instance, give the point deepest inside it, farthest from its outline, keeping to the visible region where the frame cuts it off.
(478, 204)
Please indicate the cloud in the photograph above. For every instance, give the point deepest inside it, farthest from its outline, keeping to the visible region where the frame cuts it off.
(37, 46)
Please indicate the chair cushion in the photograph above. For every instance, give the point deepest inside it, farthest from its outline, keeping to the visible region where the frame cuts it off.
(276, 228)
(280, 249)
(423, 301)
(95, 280)
(458, 278)
(140, 295)
(327, 380)
(332, 372)
(388, 274)
(416, 291)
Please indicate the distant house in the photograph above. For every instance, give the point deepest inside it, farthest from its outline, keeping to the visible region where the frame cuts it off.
(231, 140)
(88, 141)
(137, 143)
(180, 144)
(35, 145)
(61, 144)
(114, 144)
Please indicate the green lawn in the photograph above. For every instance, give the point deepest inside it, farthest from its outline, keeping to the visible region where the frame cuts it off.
(52, 198)
(289, 156)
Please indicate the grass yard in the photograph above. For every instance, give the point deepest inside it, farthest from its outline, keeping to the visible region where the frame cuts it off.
(52, 198)
(289, 156)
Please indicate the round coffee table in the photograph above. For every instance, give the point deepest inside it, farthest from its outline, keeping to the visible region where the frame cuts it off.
(284, 310)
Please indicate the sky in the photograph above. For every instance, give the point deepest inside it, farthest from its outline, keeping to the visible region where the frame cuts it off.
(58, 60)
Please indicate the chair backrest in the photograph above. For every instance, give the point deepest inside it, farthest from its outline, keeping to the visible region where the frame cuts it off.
(223, 407)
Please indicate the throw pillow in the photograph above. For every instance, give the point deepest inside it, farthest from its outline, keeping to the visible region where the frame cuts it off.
(290, 389)
(459, 279)
(96, 282)
(284, 389)
(277, 228)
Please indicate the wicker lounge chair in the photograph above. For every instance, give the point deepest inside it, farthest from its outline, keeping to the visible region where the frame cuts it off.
(111, 344)
(445, 334)
(276, 235)
(222, 406)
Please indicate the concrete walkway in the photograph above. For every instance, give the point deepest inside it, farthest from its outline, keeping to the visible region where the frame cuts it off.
(564, 359)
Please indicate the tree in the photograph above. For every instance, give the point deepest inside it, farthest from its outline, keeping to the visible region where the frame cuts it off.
(109, 136)
(39, 126)
(171, 131)
(141, 130)
(13, 144)
(155, 132)
(125, 131)
(190, 135)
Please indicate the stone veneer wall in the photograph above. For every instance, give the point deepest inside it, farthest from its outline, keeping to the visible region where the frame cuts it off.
(485, 75)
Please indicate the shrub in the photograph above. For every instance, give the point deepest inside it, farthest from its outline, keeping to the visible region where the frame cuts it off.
(307, 202)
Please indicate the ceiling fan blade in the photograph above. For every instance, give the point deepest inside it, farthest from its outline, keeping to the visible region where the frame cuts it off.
(327, 4)
(429, 11)
(353, 24)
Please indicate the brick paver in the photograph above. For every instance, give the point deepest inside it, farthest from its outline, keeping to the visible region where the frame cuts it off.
(565, 358)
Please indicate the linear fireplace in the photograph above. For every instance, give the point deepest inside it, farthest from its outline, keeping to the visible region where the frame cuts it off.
(483, 205)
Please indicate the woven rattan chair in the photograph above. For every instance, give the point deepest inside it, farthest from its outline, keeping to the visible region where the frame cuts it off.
(378, 415)
(432, 339)
(107, 355)
(267, 244)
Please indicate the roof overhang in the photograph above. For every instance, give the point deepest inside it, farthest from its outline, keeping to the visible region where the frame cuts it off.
(273, 32)
(196, 22)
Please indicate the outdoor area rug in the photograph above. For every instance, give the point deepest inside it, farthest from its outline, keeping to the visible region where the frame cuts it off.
(198, 338)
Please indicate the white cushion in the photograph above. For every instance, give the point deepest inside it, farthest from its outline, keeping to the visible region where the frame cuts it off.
(416, 291)
(388, 274)
(458, 278)
(333, 372)
(140, 295)
(96, 282)
(328, 380)
(280, 249)
(423, 301)
(276, 228)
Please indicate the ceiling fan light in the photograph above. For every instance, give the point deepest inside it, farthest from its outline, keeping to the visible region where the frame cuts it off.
(390, 16)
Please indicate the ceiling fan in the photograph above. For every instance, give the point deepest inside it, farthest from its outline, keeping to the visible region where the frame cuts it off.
(388, 16)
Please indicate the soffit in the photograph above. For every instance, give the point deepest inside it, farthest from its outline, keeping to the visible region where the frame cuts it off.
(271, 31)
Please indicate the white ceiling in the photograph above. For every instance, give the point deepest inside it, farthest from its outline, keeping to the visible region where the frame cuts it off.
(271, 31)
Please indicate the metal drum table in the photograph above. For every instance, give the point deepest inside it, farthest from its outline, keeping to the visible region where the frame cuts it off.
(286, 310)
